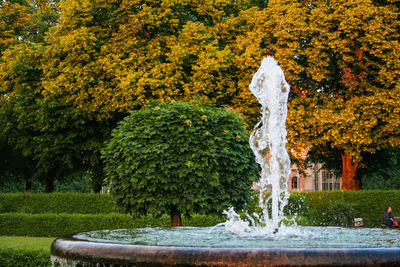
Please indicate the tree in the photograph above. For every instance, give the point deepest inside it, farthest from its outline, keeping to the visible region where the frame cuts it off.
(16, 80)
(341, 59)
(381, 170)
(14, 19)
(179, 158)
(21, 22)
(14, 166)
(25, 20)
(107, 57)
(53, 136)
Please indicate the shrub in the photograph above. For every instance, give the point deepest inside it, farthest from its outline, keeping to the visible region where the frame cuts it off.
(81, 184)
(180, 158)
(338, 213)
(56, 203)
(340, 207)
(22, 224)
(24, 258)
(199, 220)
(297, 205)
(313, 208)
(337, 208)
(382, 170)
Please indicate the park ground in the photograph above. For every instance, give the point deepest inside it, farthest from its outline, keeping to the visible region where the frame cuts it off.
(25, 242)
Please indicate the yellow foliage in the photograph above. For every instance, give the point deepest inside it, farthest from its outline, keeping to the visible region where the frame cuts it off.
(342, 60)
(340, 57)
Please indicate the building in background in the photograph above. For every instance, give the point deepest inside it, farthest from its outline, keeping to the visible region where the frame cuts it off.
(315, 179)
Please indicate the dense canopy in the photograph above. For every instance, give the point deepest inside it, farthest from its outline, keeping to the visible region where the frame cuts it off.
(71, 69)
(180, 158)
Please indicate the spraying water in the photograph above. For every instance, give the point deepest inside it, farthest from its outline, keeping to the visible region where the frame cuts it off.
(268, 142)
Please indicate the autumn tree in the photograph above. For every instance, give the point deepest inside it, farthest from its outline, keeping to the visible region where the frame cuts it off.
(25, 20)
(21, 22)
(108, 57)
(55, 137)
(104, 58)
(342, 61)
(14, 19)
(49, 136)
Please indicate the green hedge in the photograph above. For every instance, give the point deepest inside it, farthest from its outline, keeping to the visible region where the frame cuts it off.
(50, 224)
(24, 258)
(83, 203)
(316, 208)
(340, 207)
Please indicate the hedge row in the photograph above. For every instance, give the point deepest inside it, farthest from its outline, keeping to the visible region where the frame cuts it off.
(24, 258)
(340, 207)
(318, 208)
(83, 203)
(51, 224)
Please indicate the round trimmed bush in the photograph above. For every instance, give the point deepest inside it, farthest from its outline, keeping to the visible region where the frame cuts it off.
(180, 158)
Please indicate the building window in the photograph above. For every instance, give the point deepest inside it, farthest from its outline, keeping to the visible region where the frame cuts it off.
(316, 181)
(326, 181)
(337, 185)
(329, 181)
(294, 182)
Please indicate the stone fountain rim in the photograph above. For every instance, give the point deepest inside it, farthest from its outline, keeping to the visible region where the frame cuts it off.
(125, 254)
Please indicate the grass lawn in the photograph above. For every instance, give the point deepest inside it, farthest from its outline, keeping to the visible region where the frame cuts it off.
(26, 242)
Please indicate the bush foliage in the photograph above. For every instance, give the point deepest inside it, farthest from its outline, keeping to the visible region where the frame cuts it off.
(50, 224)
(314, 208)
(341, 207)
(382, 170)
(187, 157)
(24, 258)
(83, 203)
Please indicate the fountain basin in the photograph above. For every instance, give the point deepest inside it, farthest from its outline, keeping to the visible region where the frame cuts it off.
(75, 251)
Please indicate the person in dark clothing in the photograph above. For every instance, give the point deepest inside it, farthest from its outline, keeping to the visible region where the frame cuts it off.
(388, 218)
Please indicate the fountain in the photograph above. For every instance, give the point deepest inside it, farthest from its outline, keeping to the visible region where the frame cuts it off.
(268, 140)
(258, 241)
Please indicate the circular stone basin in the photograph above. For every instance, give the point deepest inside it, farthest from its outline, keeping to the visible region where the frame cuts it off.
(190, 246)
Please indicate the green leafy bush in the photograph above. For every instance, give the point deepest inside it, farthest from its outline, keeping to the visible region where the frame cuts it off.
(78, 183)
(180, 158)
(382, 170)
(313, 208)
(22, 224)
(340, 207)
(336, 208)
(296, 205)
(339, 213)
(56, 203)
(24, 258)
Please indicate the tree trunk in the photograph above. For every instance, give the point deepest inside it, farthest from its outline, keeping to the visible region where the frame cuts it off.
(49, 185)
(349, 168)
(97, 188)
(176, 219)
(50, 180)
(97, 179)
(28, 186)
